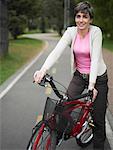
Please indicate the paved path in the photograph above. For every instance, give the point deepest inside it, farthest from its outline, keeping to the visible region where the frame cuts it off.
(109, 61)
(108, 57)
(23, 101)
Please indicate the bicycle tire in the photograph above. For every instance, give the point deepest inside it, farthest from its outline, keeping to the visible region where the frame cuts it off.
(86, 137)
(52, 144)
(40, 137)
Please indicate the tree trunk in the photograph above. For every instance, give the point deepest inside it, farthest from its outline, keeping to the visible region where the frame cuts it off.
(43, 26)
(3, 28)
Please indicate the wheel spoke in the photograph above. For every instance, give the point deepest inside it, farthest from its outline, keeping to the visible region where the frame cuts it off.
(42, 139)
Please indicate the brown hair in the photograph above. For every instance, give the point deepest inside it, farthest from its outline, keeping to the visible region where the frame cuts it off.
(84, 7)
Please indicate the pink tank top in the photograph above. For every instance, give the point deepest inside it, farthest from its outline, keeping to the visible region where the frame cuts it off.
(82, 54)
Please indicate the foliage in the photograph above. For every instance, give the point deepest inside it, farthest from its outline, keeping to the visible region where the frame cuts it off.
(108, 44)
(54, 13)
(103, 16)
(23, 14)
(44, 14)
(21, 51)
(17, 25)
(3, 29)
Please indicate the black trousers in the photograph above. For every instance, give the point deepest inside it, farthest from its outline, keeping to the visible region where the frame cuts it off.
(76, 87)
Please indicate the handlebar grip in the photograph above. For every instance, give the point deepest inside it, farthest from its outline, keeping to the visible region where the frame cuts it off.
(49, 79)
(45, 79)
(42, 83)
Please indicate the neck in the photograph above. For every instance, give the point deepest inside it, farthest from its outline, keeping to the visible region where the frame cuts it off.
(82, 33)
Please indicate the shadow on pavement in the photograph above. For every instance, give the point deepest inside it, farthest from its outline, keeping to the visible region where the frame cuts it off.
(71, 145)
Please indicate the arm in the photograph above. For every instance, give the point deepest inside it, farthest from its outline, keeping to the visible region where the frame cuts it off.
(95, 56)
(58, 50)
(54, 55)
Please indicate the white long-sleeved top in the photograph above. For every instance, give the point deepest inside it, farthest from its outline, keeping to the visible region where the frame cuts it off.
(98, 66)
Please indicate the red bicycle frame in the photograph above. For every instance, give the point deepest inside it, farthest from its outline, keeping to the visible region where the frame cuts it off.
(66, 107)
(86, 107)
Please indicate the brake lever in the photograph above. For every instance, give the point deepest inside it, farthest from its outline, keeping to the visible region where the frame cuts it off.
(42, 83)
(46, 78)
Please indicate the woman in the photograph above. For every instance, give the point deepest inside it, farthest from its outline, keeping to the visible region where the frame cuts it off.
(87, 64)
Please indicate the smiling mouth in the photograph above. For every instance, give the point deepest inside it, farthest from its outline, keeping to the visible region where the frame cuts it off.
(81, 24)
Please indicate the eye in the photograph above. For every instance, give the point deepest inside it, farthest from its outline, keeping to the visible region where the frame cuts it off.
(78, 16)
(85, 16)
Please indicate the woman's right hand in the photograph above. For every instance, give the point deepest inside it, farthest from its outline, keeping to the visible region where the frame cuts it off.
(38, 75)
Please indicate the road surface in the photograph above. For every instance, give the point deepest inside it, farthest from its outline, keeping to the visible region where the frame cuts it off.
(22, 101)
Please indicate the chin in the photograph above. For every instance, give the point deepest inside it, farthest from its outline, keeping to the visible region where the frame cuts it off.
(81, 28)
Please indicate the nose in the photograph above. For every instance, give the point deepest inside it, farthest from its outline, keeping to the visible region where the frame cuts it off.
(81, 19)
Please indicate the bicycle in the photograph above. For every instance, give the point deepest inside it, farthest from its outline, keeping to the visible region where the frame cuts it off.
(61, 121)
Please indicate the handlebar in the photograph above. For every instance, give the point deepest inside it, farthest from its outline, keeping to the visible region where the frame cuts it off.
(49, 79)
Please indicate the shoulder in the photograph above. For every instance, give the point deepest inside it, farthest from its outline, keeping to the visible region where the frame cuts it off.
(72, 31)
(72, 28)
(96, 32)
(95, 29)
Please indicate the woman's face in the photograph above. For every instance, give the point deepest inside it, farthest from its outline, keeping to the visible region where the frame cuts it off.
(82, 20)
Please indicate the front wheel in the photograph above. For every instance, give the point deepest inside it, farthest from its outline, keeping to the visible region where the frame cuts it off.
(42, 138)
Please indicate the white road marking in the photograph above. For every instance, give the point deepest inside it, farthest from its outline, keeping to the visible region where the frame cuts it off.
(108, 127)
(21, 74)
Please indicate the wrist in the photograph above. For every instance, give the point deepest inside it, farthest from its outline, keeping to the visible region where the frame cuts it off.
(44, 70)
(91, 86)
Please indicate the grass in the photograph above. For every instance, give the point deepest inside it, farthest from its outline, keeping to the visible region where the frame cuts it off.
(108, 44)
(24, 49)
(21, 51)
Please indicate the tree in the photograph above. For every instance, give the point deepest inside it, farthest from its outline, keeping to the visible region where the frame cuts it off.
(104, 16)
(54, 11)
(3, 28)
(17, 25)
(22, 15)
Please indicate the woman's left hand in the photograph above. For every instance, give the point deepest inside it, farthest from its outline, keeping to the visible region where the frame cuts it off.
(91, 87)
(95, 92)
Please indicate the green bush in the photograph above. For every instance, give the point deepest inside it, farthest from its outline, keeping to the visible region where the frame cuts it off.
(17, 25)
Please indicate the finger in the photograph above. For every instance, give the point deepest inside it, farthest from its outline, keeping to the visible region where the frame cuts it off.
(95, 92)
(35, 74)
(94, 97)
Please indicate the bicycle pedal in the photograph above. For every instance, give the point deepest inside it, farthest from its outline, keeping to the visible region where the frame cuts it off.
(91, 124)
